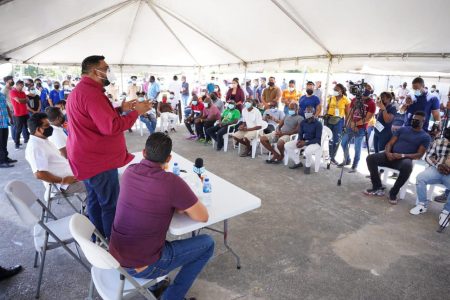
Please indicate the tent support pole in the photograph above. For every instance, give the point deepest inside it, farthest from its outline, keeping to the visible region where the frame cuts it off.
(121, 78)
(127, 41)
(327, 82)
(387, 82)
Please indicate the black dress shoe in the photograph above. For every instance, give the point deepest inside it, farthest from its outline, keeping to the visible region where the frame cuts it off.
(6, 165)
(11, 161)
(9, 272)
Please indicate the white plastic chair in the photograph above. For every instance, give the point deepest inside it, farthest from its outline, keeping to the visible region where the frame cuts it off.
(141, 126)
(110, 279)
(286, 157)
(53, 193)
(255, 142)
(327, 136)
(226, 137)
(47, 236)
(384, 178)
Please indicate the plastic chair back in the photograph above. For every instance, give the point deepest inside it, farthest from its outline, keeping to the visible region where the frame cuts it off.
(22, 198)
(327, 135)
(82, 229)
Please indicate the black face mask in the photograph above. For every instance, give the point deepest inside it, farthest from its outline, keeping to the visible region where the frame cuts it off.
(416, 123)
(271, 84)
(105, 82)
(309, 92)
(48, 131)
(56, 86)
(11, 83)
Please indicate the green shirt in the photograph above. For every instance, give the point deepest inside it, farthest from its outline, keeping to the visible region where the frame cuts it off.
(230, 115)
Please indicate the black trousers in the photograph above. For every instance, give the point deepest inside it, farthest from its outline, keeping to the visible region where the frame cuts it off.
(199, 128)
(217, 133)
(20, 123)
(4, 132)
(404, 166)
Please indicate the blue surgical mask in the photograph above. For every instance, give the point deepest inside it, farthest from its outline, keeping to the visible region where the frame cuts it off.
(194, 102)
(141, 99)
(248, 105)
(291, 112)
(206, 105)
(417, 93)
(273, 109)
(230, 106)
(309, 115)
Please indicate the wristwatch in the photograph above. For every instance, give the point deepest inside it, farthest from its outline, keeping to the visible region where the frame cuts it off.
(403, 155)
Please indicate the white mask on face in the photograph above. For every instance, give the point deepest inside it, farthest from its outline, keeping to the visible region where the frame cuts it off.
(335, 93)
(291, 89)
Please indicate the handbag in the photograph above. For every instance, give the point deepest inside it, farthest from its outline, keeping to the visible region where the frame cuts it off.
(330, 119)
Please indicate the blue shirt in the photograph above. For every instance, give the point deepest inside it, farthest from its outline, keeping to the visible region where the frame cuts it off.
(4, 117)
(44, 100)
(55, 96)
(153, 91)
(311, 132)
(304, 102)
(425, 102)
(410, 140)
(185, 86)
(210, 87)
(259, 92)
(387, 126)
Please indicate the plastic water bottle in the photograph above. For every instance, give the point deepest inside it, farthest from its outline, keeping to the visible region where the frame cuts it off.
(176, 169)
(206, 197)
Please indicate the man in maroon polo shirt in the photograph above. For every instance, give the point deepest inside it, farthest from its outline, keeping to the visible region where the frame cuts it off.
(19, 101)
(96, 145)
(149, 197)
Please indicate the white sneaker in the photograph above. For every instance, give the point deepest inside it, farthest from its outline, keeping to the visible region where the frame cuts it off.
(419, 209)
(443, 217)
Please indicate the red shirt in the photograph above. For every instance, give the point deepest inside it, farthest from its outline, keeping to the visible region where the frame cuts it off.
(197, 109)
(147, 201)
(96, 142)
(368, 107)
(20, 109)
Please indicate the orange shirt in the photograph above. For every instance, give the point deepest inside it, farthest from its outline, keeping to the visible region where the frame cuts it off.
(289, 96)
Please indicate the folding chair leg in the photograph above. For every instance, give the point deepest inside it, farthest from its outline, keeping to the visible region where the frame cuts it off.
(36, 255)
(91, 290)
(41, 268)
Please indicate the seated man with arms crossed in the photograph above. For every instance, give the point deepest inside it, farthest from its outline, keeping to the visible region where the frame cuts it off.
(230, 116)
(309, 138)
(166, 111)
(290, 125)
(148, 199)
(252, 121)
(438, 157)
(45, 160)
(407, 144)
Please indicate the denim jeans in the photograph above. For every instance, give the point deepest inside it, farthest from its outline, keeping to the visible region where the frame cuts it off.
(336, 129)
(359, 136)
(102, 194)
(190, 254)
(150, 123)
(20, 127)
(185, 99)
(431, 176)
(380, 139)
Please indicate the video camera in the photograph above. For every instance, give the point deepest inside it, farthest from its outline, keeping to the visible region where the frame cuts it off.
(357, 89)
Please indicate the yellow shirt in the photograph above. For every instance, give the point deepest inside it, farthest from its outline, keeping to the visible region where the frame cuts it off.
(341, 104)
(289, 96)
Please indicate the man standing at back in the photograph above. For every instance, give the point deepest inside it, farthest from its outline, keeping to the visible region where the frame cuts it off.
(96, 144)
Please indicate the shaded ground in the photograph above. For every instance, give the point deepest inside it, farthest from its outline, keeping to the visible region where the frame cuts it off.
(309, 240)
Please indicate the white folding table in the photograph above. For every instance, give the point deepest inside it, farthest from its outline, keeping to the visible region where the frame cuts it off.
(228, 201)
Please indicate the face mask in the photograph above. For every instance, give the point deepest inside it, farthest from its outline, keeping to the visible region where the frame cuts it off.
(109, 77)
(335, 93)
(206, 105)
(33, 91)
(123, 97)
(141, 99)
(66, 87)
(309, 92)
(291, 89)
(133, 82)
(56, 86)
(271, 83)
(417, 93)
(433, 90)
(308, 115)
(48, 131)
(248, 105)
(194, 102)
(230, 106)
(367, 93)
(291, 112)
(11, 83)
(171, 97)
(216, 90)
(273, 109)
(416, 123)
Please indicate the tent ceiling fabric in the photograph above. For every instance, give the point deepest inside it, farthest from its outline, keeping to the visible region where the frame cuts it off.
(231, 34)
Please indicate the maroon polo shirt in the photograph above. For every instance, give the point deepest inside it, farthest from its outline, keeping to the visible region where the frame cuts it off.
(147, 201)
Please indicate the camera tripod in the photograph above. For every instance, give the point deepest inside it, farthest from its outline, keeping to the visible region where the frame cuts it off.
(359, 106)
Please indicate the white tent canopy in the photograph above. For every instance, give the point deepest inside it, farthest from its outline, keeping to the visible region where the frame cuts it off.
(402, 35)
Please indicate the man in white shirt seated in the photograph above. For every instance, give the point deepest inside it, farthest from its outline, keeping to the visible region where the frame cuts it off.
(59, 135)
(45, 160)
(252, 122)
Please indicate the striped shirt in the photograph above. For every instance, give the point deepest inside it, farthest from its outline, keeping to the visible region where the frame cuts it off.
(438, 152)
(4, 116)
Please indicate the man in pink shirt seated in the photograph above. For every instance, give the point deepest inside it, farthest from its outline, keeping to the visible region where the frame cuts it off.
(149, 197)
(96, 145)
(210, 115)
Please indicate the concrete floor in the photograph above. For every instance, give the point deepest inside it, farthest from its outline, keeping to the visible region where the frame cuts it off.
(309, 240)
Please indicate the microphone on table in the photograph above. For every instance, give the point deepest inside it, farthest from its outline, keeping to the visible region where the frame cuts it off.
(198, 167)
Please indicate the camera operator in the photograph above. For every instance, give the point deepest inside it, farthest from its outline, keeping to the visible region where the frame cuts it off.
(438, 158)
(421, 100)
(408, 143)
(385, 117)
(363, 110)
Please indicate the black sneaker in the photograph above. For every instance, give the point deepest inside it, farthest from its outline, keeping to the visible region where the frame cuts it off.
(374, 192)
(9, 272)
(441, 198)
(296, 166)
(17, 147)
(334, 162)
(352, 170)
(11, 161)
(341, 165)
(392, 199)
